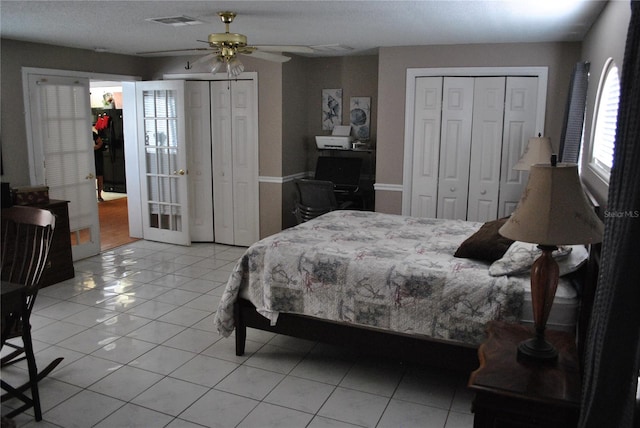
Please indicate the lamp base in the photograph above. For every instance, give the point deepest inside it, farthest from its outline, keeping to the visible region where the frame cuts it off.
(538, 349)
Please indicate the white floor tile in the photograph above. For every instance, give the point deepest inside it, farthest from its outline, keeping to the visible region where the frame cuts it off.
(300, 394)
(229, 409)
(355, 407)
(170, 396)
(83, 410)
(162, 359)
(132, 416)
(250, 382)
(412, 415)
(270, 416)
(126, 383)
(85, 371)
(124, 350)
(203, 370)
(156, 332)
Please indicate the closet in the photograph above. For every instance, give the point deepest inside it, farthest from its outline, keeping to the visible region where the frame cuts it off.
(468, 132)
(113, 148)
(221, 122)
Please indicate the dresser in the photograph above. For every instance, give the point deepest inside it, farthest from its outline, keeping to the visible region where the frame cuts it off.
(60, 262)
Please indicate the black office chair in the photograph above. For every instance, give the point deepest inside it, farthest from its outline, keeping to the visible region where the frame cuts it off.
(27, 233)
(315, 197)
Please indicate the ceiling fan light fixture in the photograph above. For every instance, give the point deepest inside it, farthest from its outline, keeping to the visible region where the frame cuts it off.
(234, 67)
(218, 63)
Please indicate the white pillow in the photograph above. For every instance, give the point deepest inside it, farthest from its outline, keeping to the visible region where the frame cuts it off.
(521, 255)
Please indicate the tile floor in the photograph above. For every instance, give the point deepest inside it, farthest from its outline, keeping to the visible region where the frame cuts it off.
(135, 328)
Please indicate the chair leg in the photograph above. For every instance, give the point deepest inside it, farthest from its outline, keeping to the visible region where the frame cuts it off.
(33, 372)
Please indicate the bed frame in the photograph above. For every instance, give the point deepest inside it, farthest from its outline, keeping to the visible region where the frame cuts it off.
(399, 346)
(404, 347)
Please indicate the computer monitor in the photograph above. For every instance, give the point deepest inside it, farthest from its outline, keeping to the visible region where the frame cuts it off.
(342, 171)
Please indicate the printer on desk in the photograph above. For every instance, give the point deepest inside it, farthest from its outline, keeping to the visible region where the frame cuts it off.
(340, 138)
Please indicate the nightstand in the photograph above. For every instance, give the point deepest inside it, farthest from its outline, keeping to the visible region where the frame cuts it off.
(519, 394)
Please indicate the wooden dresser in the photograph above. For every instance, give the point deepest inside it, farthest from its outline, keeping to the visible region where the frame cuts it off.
(60, 264)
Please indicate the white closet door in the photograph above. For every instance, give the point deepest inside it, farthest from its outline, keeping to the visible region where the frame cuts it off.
(245, 162)
(198, 129)
(519, 126)
(235, 162)
(426, 146)
(486, 143)
(457, 111)
(222, 162)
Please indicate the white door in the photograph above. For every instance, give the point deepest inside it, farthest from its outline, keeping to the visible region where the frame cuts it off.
(455, 147)
(62, 153)
(486, 144)
(163, 161)
(519, 125)
(426, 147)
(235, 161)
(199, 158)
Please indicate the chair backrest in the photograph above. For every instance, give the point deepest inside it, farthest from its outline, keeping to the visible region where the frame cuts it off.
(316, 193)
(27, 233)
(315, 197)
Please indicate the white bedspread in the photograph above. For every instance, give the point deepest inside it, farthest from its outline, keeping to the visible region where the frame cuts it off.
(377, 270)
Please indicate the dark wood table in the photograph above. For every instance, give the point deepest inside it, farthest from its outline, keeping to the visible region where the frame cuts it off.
(512, 393)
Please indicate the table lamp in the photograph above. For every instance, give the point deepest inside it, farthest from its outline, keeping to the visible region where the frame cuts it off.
(538, 150)
(553, 210)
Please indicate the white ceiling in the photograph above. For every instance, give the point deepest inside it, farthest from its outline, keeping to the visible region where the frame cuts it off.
(122, 26)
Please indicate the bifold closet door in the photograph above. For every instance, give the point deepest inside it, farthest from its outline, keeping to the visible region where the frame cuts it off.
(235, 162)
(455, 147)
(519, 125)
(426, 147)
(486, 148)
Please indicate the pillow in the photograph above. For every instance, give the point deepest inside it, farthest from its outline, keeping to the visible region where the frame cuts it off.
(521, 255)
(486, 244)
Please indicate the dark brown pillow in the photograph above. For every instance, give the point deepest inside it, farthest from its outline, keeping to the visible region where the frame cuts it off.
(486, 244)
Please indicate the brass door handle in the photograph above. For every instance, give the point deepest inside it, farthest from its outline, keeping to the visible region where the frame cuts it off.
(179, 172)
(90, 176)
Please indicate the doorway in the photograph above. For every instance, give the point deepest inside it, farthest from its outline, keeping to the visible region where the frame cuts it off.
(106, 103)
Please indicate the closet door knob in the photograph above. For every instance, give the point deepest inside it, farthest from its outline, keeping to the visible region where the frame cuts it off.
(179, 172)
(453, 189)
(484, 192)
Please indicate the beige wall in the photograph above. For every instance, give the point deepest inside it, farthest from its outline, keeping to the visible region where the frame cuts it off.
(605, 40)
(393, 63)
(16, 55)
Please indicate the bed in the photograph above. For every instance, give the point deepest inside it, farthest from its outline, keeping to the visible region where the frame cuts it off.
(410, 288)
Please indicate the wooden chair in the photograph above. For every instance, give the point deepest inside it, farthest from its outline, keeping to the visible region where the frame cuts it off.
(315, 197)
(27, 233)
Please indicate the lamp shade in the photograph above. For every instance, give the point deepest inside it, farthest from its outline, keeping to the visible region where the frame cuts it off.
(554, 209)
(538, 150)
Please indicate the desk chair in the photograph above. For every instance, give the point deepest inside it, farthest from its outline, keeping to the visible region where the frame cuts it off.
(315, 197)
(27, 233)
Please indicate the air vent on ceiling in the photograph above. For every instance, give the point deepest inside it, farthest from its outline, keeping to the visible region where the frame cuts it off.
(176, 21)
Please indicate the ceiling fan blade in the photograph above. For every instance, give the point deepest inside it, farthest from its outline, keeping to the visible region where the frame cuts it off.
(188, 51)
(268, 56)
(287, 48)
(204, 58)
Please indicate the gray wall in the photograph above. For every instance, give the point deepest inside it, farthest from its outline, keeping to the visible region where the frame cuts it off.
(605, 40)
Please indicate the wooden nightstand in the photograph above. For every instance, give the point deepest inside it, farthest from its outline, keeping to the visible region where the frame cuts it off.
(512, 393)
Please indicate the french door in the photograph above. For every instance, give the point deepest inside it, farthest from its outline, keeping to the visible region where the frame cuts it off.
(163, 161)
(62, 153)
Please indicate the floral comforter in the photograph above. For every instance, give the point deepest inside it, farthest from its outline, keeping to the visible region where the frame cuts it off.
(378, 270)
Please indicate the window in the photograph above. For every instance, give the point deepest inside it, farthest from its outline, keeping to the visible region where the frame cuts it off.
(604, 134)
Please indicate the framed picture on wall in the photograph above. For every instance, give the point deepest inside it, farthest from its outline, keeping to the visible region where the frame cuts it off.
(360, 116)
(331, 108)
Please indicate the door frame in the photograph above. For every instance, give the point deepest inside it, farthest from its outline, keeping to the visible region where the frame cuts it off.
(34, 148)
(413, 73)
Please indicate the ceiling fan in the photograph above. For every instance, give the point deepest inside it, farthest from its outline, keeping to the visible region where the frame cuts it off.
(225, 48)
